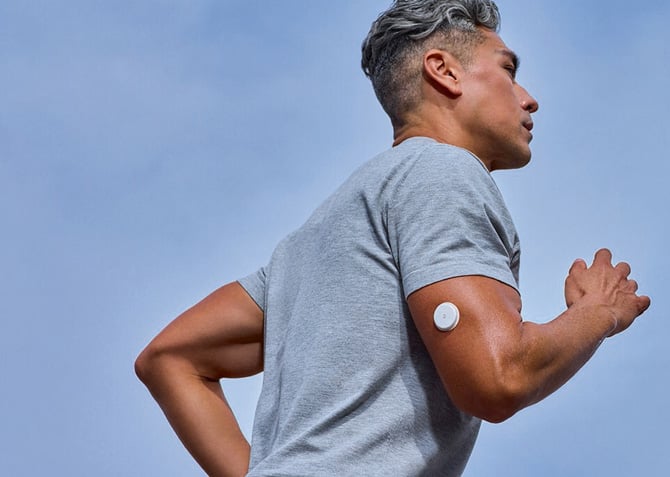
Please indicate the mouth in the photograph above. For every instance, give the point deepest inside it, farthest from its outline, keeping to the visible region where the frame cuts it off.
(528, 125)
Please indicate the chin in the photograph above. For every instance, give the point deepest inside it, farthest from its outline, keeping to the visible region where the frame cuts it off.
(515, 162)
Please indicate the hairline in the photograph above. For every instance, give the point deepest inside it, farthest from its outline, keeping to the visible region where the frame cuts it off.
(393, 67)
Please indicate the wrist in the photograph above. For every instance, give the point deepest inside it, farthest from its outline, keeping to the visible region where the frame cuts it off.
(598, 315)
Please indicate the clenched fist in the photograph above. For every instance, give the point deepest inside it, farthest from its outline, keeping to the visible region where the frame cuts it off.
(608, 286)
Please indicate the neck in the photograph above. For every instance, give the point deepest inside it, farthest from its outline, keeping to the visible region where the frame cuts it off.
(404, 133)
(416, 126)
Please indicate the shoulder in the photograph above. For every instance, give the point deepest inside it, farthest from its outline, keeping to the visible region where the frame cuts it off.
(445, 162)
(426, 166)
(422, 162)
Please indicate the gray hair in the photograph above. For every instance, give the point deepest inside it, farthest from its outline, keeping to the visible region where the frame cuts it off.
(394, 47)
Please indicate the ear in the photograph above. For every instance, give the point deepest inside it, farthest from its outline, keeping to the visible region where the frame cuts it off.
(442, 70)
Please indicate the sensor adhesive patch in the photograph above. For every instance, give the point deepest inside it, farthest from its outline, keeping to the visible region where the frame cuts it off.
(446, 316)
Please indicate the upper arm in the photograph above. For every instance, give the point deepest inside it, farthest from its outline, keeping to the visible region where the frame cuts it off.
(221, 336)
(474, 360)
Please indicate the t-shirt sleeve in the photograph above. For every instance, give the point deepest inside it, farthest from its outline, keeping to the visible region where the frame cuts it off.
(254, 285)
(447, 218)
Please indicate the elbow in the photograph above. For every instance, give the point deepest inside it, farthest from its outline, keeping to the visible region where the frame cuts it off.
(497, 399)
(161, 363)
(507, 398)
(493, 409)
(150, 364)
(144, 365)
(499, 409)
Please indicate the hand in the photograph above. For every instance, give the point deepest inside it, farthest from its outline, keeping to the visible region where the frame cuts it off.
(604, 285)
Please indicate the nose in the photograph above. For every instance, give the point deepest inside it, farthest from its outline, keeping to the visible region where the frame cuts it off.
(528, 103)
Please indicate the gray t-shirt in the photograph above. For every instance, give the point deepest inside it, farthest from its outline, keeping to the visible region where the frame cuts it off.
(349, 388)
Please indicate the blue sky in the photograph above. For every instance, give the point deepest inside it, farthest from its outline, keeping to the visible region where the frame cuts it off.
(152, 151)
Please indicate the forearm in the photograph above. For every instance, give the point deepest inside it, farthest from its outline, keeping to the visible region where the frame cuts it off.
(601, 301)
(521, 365)
(494, 364)
(201, 417)
(549, 354)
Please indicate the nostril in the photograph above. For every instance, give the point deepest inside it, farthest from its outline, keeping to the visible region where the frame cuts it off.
(529, 105)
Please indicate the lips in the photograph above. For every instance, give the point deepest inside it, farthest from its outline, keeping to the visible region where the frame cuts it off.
(528, 125)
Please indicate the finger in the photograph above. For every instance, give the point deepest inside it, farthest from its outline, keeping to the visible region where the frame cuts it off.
(603, 256)
(578, 264)
(632, 286)
(643, 303)
(623, 268)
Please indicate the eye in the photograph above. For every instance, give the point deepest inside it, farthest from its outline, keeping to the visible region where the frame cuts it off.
(512, 70)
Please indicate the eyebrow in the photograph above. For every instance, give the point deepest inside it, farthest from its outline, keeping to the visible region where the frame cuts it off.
(514, 58)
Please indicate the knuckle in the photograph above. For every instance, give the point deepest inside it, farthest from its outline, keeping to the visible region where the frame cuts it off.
(623, 269)
(577, 265)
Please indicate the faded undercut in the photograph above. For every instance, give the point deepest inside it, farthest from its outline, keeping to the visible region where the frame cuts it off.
(393, 50)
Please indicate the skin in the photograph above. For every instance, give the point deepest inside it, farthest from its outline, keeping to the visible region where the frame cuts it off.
(220, 337)
(492, 364)
(478, 106)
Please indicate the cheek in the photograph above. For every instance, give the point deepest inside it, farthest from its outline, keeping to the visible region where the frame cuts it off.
(503, 99)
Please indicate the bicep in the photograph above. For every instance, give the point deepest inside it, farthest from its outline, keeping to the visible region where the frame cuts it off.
(221, 336)
(470, 359)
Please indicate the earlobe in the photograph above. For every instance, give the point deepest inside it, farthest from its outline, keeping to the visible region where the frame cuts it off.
(443, 71)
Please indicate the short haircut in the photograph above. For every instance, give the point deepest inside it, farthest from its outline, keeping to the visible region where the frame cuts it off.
(393, 50)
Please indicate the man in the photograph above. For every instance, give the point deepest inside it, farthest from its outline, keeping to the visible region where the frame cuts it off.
(358, 378)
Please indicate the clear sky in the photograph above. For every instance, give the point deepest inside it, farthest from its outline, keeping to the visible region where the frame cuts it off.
(152, 151)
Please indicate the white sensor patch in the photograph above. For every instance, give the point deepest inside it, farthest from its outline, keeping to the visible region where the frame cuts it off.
(446, 316)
